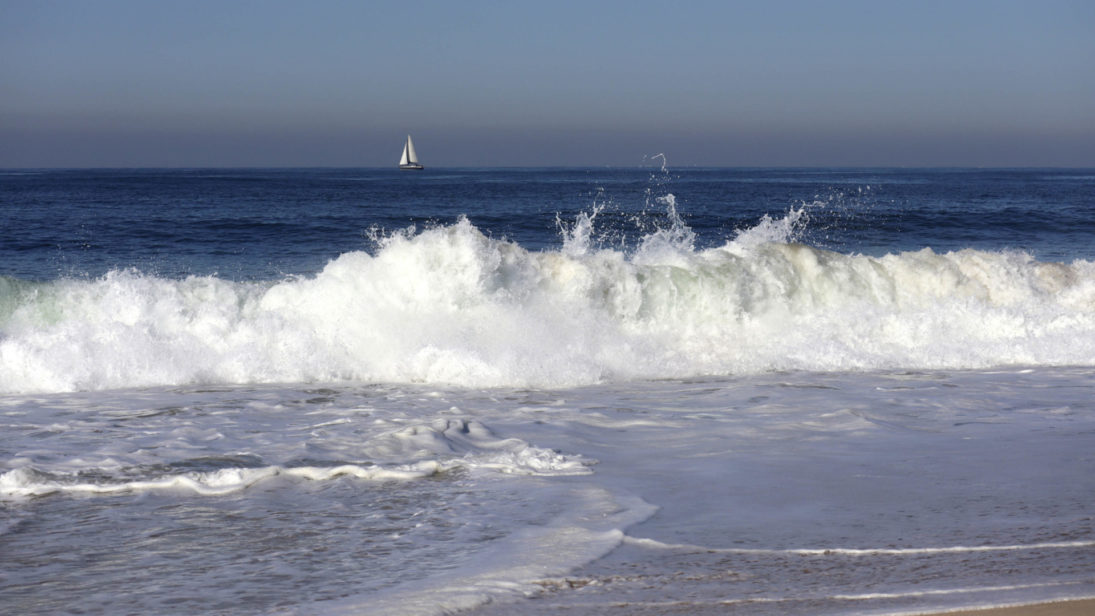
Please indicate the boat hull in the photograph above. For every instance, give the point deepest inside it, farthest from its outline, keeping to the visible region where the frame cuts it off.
(411, 167)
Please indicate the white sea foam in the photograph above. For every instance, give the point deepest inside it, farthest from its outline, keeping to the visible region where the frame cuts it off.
(24, 482)
(451, 305)
(404, 453)
(957, 549)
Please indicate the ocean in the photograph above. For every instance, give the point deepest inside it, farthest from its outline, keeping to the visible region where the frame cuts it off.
(645, 390)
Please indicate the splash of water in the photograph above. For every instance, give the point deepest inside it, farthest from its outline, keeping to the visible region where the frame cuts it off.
(451, 305)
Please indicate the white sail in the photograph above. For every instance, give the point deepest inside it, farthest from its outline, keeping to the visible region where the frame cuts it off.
(409, 160)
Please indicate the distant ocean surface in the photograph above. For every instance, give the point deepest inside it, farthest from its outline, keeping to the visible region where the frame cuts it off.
(545, 391)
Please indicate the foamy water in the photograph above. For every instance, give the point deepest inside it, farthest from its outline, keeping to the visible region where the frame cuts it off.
(451, 305)
(792, 493)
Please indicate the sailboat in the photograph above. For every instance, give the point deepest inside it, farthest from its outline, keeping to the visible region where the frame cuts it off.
(409, 160)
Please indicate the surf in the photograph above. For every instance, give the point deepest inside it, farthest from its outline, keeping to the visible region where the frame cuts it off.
(450, 304)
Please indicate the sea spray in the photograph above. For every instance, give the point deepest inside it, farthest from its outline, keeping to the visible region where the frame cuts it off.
(451, 305)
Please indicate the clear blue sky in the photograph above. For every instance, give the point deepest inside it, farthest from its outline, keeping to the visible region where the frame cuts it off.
(267, 83)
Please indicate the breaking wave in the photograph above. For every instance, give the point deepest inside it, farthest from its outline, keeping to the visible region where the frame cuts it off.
(451, 305)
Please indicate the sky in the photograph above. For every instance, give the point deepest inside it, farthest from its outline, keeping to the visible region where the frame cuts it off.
(115, 83)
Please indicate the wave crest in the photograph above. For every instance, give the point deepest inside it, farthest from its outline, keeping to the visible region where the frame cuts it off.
(451, 305)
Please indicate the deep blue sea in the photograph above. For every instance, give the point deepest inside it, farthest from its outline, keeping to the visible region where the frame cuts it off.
(546, 391)
(261, 224)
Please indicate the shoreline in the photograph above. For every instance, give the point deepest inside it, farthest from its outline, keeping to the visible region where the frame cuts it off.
(1064, 607)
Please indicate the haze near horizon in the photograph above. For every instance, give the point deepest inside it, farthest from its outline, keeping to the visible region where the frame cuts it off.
(787, 83)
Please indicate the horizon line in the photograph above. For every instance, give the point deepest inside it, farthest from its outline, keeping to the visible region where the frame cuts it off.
(529, 167)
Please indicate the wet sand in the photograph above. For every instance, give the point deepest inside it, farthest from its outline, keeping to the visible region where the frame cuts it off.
(1082, 607)
(1077, 607)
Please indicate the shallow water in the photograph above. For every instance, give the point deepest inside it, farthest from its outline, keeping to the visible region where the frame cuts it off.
(794, 493)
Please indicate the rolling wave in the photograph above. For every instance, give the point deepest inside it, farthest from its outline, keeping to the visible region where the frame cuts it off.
(450, 305)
